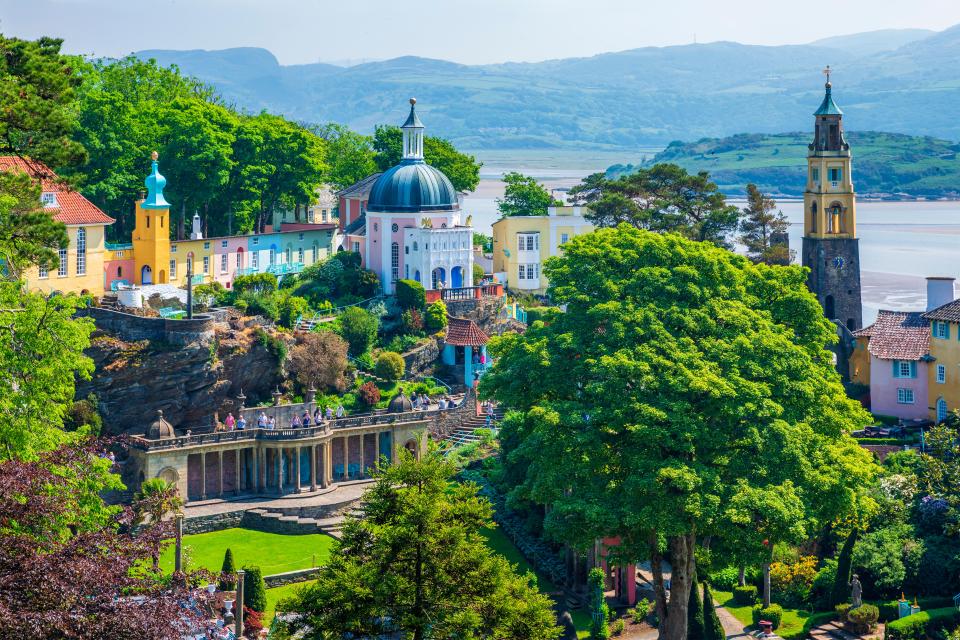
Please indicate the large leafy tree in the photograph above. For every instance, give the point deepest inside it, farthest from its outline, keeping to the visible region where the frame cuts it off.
(463, 169)
(661, 198)
(28, 233)
(417, 564)
(763, 228)
(680, 378)
(524, 196)
(37, 86)
(349, 154)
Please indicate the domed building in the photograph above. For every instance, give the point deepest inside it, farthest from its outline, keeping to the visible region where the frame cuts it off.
(413, 222)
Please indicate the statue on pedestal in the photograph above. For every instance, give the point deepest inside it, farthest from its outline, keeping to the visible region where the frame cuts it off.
(856, 592)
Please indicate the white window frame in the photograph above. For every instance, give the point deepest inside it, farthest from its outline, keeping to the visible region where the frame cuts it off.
(254, 259)
(206, 264)
(173, 268)
(941, 374)
(223, 244)
(300, 255)
(256, 241)
(521, 272)
(941, 329)
(564, 238)
(43, 272)
(356, 246)
(224, 258)
(904, 370)
(394, 261)
(905, 396)
(62, 267)
(49, 200)
(206, 245)
(81, 251)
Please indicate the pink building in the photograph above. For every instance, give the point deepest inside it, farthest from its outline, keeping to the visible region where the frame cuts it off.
(899, 347)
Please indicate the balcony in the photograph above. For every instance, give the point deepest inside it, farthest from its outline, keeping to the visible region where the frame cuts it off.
(285, 268)
(245, 271)
(465, 293)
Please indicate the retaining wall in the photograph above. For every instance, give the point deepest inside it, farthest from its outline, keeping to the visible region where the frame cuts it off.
(215, 522)
(132, 327)
(301, 575)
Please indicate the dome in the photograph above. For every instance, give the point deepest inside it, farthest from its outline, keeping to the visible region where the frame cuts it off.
(154, 184)
(413, 186)
(160, 428)
(400, 403)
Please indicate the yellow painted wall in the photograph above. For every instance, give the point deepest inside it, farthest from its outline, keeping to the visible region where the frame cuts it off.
(947, 352)
(151, 243)
(183, 249)
(91, 281)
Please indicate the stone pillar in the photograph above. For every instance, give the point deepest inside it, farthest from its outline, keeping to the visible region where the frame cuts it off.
(327, 463)
(261, 479)
(178, 534)
(346, 457)
(220, 469)
(203, 471)
(296, 470)
(279, 470)
(313, 467)
(468, 366)
(238, 605)
(363, 463)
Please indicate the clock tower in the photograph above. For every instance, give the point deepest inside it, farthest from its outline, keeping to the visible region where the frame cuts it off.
(831, 249)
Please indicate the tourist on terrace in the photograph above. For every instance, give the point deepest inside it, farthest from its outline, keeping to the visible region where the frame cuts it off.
(329, 413)
(442, 404)
(271, 423)
(340, 411)
(305, 419)
(425, 401)
(296, 423)
(241, 423)
(415, 400)
(230, 422)
(262, 420)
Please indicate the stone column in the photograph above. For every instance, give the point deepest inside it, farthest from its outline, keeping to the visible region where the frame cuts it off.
(296, 469)
(313, 467)
(363, 463)
(327, 463)
(238, 605)
(220, 469)
(261, 479)
(203, 471)
(178, 533)
(468, 366)
(346, 457)
(280, 471)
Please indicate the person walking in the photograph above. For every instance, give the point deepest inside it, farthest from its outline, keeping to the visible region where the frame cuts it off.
(241, 423)
(230, 422)
(340, 411)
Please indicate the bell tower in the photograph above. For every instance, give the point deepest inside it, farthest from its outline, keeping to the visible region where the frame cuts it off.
(151, 232)
(831, 249)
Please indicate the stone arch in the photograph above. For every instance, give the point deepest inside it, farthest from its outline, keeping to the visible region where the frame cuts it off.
(169, 475)
(836, 214)
(161, 277)
(146, 275)
(456, 277)
(412, 447)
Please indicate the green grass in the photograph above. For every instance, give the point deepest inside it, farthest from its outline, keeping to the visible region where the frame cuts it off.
(273, 553)
(277, 594)
(792, 624)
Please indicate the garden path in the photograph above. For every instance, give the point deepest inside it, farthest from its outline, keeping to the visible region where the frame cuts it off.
(342, 493)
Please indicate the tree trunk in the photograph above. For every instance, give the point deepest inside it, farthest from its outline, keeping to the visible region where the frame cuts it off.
(742, 578)
(674, 626)
(656, 567)
(766, 584)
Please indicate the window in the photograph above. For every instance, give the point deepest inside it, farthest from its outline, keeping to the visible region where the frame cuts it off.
(289, 255)
(395, 261)
(256, 241)
(904, 369)
(836, 175)
(255, 260)
(206, 245)
(119, 272)
(356, 247)
(406, 250)
(273, 256)
(148, 220)
(223, 244)
(206, 264)
(223, 262)
(44, 272)
(49, 200)
(161, 222)
(522, 272)
(173, 248)
(62, 267)
(564, 238)
(904, 396)
(300, 255)
(173, 269)
(941, 373)
(815, 175)
(81, 251)
(528, 241)
(941, 330)
(394, 227)
(414, 245)
(315, 251)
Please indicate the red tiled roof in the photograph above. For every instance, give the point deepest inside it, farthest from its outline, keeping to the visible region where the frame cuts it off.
(898, 335)
(72, 208)
(462, 332)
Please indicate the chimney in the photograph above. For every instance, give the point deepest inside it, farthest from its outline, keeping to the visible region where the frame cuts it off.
(196, 233)
(939, 291)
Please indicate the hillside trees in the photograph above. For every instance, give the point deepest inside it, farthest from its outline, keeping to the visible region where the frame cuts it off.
(462, 169)
(350, 154)
(524, 196)
(763, 229)
(681, 379)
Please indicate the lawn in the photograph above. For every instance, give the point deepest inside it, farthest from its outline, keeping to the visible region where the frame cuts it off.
(273, 553)
(277, 594)
(792, 624)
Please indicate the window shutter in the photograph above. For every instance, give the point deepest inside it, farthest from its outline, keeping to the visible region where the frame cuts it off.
(946, 326)
(913, 369)
(933, 328)
(896, 368)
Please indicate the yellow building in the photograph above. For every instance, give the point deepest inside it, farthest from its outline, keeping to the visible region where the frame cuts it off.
(943, 388)
(521, 244)
(80, 267)
(151, 232)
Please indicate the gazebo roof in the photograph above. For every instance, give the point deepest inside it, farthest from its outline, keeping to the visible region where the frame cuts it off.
(463, 332)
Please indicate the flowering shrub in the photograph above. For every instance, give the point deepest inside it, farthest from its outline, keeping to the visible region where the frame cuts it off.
(791, 582)
(369, 394)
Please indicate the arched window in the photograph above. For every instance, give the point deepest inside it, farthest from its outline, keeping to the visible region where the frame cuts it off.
(813, 217)
(119, 272)
(828, 308)
(395, 261)
(81, 251)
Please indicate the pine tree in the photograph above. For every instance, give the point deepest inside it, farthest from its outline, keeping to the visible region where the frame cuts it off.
(762, 230)
(227, 581)
(254, 589)
(841, 585)
(599, 611)
(713, 629)
(695, 624)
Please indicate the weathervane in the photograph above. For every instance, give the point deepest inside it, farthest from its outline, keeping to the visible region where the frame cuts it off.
(826, 72)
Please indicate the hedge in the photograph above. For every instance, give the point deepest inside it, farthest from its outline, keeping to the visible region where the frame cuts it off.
(411, 295)
(745, 595)
(773, 613)
(921, 625)
(890, 610)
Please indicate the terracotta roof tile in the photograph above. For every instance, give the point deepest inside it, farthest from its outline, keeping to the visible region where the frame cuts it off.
(72, 208)
(898, 335)
(462, 332)
(949, 312)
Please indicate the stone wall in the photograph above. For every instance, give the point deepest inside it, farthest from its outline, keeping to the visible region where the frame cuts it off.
(214, 522)
(483, 311)
(132, 327)
(289, 577)
(420, 360)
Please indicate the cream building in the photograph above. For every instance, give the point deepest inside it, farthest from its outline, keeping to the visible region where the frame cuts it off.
(521, 244)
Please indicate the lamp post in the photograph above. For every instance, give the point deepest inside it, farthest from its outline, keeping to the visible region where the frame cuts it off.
(189, 289)
(238, 606)
(178, 532)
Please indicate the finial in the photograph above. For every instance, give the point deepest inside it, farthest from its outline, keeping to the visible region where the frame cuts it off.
(413, 101)
(154, 155)
(159, 413)
(827, 72)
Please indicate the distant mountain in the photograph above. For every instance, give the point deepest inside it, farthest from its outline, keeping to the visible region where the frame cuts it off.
(903, 81)
(884, 164)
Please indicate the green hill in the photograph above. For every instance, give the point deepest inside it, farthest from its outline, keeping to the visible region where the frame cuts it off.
(885, 165)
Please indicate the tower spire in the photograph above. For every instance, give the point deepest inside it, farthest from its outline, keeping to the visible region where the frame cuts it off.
(413, 135)
(155, 184)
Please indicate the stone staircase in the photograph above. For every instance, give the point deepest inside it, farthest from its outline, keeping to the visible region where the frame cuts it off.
(831, 630)
(467, 432)
(291, 524)
(110, 301)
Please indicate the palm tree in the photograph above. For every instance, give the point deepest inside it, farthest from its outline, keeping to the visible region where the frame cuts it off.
(156, 498)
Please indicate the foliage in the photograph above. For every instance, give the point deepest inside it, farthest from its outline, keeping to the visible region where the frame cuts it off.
(403, 343)
(713, 629)
(211, 293)
(821, 591)
(411, 295)
(350, 155)
(725, 579)
(483, 242)
(863, 618)
(773, 613)
(359, 328)
(390, 366)
(292, 308)
(941, 469)
(417, 561)
(369, 393)
(747, 594)
(260, 304)
(228, 570)
(696, 623)
(436, 317)
(28, 233)
(923, 625)
(618, 626)
(462, 169)
(662, 198)
(841, 587)
(157, 498)
(599, 611)
(273, 344)
(524, 196)
(84, 414)
(259, 283)
(319, 361)
(67, 557)
(791, 583)
(413, 324)
(254, 589)
(762, 231)
(478, 274)
(252, 622)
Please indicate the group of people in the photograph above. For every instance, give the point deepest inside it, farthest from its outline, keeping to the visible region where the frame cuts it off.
(230, 423)
(423, 401)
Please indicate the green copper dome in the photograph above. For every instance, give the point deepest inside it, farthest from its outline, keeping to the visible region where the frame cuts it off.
(155, 184)
(413, 186)
(828, 107)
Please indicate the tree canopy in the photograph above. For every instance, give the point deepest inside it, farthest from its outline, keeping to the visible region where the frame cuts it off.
(462, 169)
(763, 229)
(524, 196)
(681, 380)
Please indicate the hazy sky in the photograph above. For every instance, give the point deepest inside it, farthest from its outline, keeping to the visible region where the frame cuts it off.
(469, 31)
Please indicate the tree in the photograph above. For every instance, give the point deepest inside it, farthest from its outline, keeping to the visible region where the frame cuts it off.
(478, 273)
(228, 572)
(662, 198)
(359, 328)
(29, 235)
(841, 585)
(390, 366)
(599, 611)
(436, 318)
(37, 89)
(319, 361)
(291, 308)
(696, 626)
(261, 283)
(69, 565)
(411, 295)
(656, 399)
(713, 628)
(762, 229)
(941, 468)
(156, 498)
(462, 169)
(254, 589)
(417, 565)
(524, 196)
(350, 155)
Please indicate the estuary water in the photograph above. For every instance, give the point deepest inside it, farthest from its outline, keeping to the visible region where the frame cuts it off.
(901, 243)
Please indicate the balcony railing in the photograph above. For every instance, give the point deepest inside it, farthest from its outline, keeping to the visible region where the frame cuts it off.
(285, 268)
(245, 271)
(465, 293)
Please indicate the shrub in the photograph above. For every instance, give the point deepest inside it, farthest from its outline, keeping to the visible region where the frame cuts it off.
(262, 304)
(863, 618)
(619, 625)
(842, 610)
(211, 293)
(773, 613)
(254, 589)
(259, 283)
(402, 344)
(478, 274)
(791, 582)
(695, 622)
(252, 622)
(841, 585)
(412, 321)
(921, 625)
(890, 610)
(84, 413)
(725, 579)
(822, 587)
(359, 328)
(713, 629)
(369, 394)
(292, 308)
(436, 319)
(227, 582)
(390, 366)
(411, 294)
(319, 360)
(745, 595)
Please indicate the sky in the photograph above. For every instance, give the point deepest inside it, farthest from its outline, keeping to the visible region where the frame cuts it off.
(466, 31)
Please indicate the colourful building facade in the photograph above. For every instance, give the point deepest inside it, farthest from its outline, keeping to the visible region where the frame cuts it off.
(521, 244)
(944, 372)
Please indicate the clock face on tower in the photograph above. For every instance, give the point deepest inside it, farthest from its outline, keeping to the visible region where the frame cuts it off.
(838, 262)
